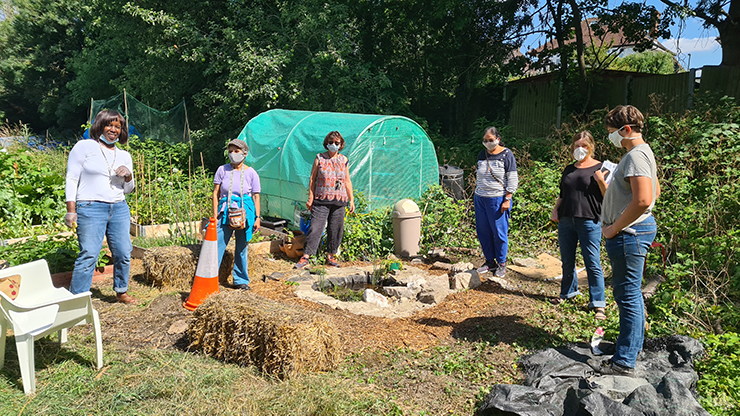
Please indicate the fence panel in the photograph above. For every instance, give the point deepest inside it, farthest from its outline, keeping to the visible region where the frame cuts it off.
(721, 79)
(661, 93)
(534, 111)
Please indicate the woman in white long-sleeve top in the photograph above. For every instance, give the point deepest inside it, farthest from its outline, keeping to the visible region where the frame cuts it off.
(99, 174)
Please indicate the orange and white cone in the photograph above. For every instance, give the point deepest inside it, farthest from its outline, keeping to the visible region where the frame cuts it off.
(206, 274)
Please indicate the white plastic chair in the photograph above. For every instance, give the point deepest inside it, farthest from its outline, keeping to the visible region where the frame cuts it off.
(38, 310)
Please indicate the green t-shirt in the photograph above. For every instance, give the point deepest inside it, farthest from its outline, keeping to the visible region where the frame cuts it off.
(639, 161)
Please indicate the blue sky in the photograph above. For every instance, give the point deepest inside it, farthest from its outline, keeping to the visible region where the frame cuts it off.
(694, 39)
(688, 38)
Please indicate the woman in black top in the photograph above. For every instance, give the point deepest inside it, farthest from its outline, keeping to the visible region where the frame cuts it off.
(577, 213)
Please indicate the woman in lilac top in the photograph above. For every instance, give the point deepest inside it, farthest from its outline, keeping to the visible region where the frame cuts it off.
(236, 185)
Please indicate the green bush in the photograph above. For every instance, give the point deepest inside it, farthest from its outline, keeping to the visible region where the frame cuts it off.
(31, 190)
(719, 382)
(59, 252)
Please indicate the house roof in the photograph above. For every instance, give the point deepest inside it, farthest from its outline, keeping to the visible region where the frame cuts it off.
(608, 39)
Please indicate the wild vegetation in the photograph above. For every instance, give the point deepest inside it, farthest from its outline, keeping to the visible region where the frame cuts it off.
(441, 63)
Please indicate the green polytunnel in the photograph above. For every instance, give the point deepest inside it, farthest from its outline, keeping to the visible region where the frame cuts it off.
(390, 157)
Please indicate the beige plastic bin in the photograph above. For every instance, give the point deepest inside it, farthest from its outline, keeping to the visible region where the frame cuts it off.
(406, 228)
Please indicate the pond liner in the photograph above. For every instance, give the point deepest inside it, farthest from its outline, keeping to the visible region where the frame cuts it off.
(560, 382)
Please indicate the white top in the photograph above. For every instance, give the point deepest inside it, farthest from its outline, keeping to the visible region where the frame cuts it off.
(91, 173)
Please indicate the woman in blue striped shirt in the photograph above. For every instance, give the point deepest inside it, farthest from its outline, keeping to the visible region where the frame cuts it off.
(495, 184)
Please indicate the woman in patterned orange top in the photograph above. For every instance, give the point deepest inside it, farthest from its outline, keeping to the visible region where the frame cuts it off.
(329, 192)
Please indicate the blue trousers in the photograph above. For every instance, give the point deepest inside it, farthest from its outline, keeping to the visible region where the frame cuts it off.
(492, 227)
(571, 232)
(96, 220)
(627, 252)
(241, 272)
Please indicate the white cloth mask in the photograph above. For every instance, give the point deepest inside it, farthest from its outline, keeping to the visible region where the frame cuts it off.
(580, 153)
(236, 158)
(332, 147)
(491, 145)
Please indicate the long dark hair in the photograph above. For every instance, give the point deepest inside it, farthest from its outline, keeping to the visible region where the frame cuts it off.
(103, 119)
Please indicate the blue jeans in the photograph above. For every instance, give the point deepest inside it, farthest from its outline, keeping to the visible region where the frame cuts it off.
(571, 231)
(96, 220)
(241, 272)
(492, 227)
(627, 252)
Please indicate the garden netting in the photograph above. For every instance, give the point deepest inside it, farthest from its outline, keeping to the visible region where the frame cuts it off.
(169, 126)
(560, 382)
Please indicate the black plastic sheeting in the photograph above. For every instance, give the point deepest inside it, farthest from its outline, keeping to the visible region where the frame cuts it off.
(560, 382)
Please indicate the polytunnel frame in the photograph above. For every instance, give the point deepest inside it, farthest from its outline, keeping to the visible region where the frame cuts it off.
(362, 132)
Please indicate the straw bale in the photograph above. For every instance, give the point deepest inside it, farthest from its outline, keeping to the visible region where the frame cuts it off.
(281, 340)
(174, 266)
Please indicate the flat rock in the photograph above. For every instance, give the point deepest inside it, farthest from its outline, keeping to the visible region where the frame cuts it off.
(375, 298)
(466, 280)
(178, 327)
(402, 291)
(430, 295)
(442, 265)
(526, 262)
(461, 267)
(503, 283)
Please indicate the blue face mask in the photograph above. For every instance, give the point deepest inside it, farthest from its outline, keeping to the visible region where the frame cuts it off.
(103, 139)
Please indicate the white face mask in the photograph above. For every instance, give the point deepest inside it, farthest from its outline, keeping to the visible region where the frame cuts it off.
(236, 158)
(491, 145)
(580, 153)
(616, 138)
(332, 147)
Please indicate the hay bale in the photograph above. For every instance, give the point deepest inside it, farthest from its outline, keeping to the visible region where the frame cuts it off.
(283, 341)
(174, 266)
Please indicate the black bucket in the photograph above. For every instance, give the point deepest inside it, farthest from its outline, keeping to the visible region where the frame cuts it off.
(451, 179)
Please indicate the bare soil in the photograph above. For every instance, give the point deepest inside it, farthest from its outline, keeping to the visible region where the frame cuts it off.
(486, 314)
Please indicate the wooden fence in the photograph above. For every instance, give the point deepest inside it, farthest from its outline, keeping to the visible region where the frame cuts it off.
(536, 102)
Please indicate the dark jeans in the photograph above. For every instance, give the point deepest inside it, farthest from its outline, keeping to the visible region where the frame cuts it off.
(334, 229)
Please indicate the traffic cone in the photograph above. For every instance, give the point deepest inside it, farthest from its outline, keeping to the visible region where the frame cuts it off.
(206, 274)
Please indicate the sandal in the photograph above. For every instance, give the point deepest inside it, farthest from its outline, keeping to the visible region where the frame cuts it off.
(600, 314)
(557, 301)
(331, 261)
(303, 262)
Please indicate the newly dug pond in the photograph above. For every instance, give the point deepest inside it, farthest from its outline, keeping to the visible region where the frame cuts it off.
(443, 359)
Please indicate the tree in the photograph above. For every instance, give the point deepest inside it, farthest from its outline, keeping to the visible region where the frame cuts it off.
(651, 62)
(724, 15)
(36, 39)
